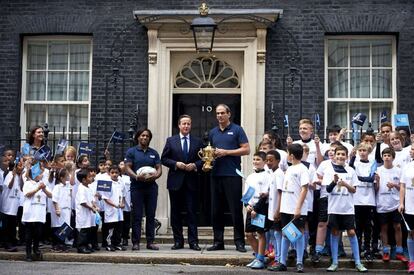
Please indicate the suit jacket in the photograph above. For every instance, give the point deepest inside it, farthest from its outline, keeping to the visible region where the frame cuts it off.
(173, 153)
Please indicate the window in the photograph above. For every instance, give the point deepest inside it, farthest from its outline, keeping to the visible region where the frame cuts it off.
(360, 76)
(56, 83)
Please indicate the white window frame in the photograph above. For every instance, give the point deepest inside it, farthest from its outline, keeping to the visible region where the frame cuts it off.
(24, 102)
(393, 98)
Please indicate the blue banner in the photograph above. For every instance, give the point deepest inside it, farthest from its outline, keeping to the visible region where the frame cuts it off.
(317, 121)
(36, 171)
(86, 148)
(401, 120)
(61, 146)
(104, 186)
(26, 149)
(291, 232)
(286, 121)
(259, 220)
(43, 153)
(117, 137)
(383, 117)
(64, 232)
(359, 119)
(248, 195)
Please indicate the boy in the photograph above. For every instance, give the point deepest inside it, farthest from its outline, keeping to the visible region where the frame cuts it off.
(266, 146)
(85, 211)
(114, 203)
(126, 225)
(341, 213)
(407, 206)
(387, 185)
(273, 162)
(364, 197)
(335, 133)
(293, 204)
(260, 181)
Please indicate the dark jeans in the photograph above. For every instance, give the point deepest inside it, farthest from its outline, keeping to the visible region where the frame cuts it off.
(363, 220)
(9, 230)
(33, 235)
(227, 189)
(140, 198)
(126, 225)
(84, 237)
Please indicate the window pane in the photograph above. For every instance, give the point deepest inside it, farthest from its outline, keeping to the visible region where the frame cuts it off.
(79, 55)
(360, 83)
(338, 83)
(360, 53)
(35, 115)
(338, 53)
(79, 86)
(36, 86)
(58, 55)
(78, 117)
(381, 53)
(359, 107)
(376, 110)
(57, 86)
(337, 114)
(381, 83)
(36, 55)
(57, 117)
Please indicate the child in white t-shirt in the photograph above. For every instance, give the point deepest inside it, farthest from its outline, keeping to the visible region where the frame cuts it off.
(10, 203)
(114, 203)
(341, 212)
(387, 186)
(126, 225)
(407, 206)
(34, 211)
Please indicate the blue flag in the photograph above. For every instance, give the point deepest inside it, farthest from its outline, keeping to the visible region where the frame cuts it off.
(259, 220)
(291, 232)
(64, 232)
(286, 121)
(104, 186)
(42, 154)
(401, 120)
(373, 168)
(98, 219)
(248, 195)
(317, 122)
(26, 149)
(354, 133)
(383, 116)
(86, 148)
(117, 137)
(18, 157)
(60, 148)
(36, 171)
(359, 119)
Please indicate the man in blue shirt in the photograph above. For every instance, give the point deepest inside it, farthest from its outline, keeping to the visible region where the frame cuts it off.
(231, 143)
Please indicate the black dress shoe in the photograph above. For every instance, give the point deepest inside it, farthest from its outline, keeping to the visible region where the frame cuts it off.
(84, 250)
(177, 246)
(152, 246)
(215, 247)
(241, 248)
(194, 246)
(135, 246)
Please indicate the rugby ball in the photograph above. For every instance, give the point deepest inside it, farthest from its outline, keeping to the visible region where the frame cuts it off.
(145, 171)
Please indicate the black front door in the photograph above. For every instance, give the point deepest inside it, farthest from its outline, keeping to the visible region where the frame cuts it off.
(201, 107)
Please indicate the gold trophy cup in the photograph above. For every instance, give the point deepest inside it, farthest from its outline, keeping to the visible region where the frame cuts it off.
(207, 155)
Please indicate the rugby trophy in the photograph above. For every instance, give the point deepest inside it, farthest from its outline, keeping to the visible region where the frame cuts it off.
(206, 154)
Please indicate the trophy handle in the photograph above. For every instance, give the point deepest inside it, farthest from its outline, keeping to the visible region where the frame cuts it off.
(200, 153)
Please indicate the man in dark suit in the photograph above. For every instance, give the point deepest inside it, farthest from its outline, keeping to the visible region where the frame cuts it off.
(180, 155)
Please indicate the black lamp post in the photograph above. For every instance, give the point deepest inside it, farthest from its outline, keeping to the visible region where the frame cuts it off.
(203, 28)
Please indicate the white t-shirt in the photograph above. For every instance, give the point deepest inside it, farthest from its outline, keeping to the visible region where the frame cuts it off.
(61, 196)
(365, 192)
(312, 151)
(326, 171)
(85, 218)
(11, 196)
(283, 164)
(402, 158)
(309, 195)
(340, 200)
(260, 182)
(275, 185)
(296, 177)
(408, 180)
(74, 189)
(387, 199)
(118, 192)
(34, 208)
(127, 181)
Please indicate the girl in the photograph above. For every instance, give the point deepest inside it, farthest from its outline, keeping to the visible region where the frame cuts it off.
(402, 155)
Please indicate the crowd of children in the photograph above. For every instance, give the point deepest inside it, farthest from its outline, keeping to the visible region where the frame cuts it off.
(326, 189)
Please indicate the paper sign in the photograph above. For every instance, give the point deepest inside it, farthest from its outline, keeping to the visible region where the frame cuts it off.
(104, 186)
(291, 232)
(259, 220)
(248, 195)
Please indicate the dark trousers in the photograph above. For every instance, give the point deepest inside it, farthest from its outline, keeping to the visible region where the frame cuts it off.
(140, 198)
(33, 234)
(115, 231)
(9, 230)
(104, 229)
(47, 234)
(73, 225)
(84, 237)
(227, 189)
(184, 197)
(313, 219)
(126, 225)
(363, 224)
(22, 227)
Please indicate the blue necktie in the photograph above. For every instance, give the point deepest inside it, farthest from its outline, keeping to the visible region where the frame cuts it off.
(185, 148)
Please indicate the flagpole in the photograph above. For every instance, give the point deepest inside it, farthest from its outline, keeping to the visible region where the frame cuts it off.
(109, 142)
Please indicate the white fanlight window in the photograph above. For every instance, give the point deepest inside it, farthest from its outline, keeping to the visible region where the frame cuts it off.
(56, 83)
(360, 76)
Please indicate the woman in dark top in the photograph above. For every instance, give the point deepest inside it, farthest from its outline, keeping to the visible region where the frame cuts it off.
(144, 189)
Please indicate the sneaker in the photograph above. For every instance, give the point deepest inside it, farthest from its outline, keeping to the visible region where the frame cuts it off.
(368, 257)
(386, 257)
(251, 263)
(316, 257)
(281, 267)
(274, 266)
(120, 248)
(110, 248)
(332, 268)
(361, 268)
(257, 264)
(401, 257)
(411, 267)
(299, 268)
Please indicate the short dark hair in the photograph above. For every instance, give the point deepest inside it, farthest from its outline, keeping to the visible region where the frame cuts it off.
(388, 151)
(341, 148)
(274, 153)
(82, 174)
(333, 129)
(140, 131)
(183, 116)
(296, 150)
(260, 154)
(102, 161)
(114, 167)
(225, 107)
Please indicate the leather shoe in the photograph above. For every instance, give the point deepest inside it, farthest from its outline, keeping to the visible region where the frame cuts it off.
(215, 247)
(194, 246)
(241, 248)
(135, 246)
(152, 246)
(84, 250)
(177, 245)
